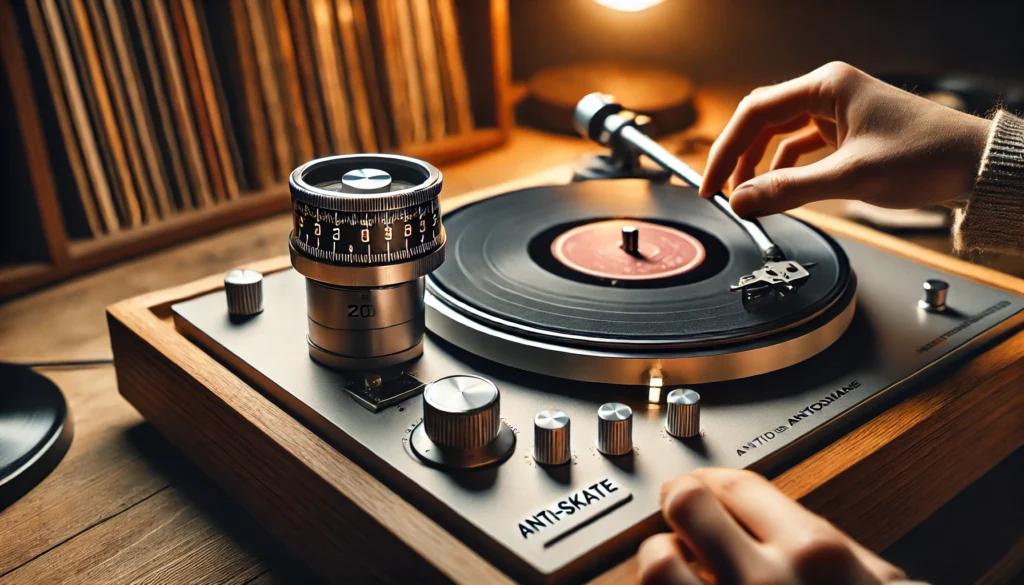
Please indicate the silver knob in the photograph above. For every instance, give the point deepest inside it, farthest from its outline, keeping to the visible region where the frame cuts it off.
(461, 412)
(551, 437)
(244, 289)
(683, 420)
(934, 300)
(614, 429)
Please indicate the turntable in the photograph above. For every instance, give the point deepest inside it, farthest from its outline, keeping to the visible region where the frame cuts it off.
(499, 392)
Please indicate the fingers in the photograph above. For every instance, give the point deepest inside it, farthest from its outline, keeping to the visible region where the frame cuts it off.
(813, 94)
(767, 512)
(718, 541)
(883, 570)
(792, 148)
(662, 562)
(782, 189)
(748, 160)
(773, 517)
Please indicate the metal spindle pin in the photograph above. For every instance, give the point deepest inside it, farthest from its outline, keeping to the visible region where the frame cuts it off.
(630, 240)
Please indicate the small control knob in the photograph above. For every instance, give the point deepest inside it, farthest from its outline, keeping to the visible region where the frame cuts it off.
(244, 290)
(934, 300)
(551, 437)
(683, 420)
(614, 429)
(461, 412)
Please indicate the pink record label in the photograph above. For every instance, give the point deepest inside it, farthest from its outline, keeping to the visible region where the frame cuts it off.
(596, 249)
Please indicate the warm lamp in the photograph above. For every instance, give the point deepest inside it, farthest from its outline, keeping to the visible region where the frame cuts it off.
(664, 96)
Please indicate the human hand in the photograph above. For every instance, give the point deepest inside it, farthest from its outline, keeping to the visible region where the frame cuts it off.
(892, 148)
(743, 530)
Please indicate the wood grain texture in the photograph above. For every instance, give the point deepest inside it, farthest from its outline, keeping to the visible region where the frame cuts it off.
(900, 466)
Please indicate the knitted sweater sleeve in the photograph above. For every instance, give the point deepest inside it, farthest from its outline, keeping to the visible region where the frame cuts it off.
(993, 217)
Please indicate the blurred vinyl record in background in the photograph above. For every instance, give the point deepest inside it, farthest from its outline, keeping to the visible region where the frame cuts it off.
(35, 430)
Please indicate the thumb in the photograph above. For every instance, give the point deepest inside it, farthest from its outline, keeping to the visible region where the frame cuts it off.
(782, 189)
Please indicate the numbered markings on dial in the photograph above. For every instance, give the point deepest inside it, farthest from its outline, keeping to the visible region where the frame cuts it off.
(367, 238)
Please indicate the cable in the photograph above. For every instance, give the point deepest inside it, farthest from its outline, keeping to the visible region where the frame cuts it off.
(64, 364)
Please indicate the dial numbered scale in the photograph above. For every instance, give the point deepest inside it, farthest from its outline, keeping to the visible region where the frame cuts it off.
(379, 214)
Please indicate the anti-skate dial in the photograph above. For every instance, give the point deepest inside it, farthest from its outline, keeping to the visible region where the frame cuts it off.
(366, 211)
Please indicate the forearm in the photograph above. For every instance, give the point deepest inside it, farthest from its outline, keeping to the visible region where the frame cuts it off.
(993, 217)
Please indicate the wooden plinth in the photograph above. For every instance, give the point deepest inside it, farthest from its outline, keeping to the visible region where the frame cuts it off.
(876, 483)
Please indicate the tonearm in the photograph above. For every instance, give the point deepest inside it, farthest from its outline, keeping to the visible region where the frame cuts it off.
(600, 118)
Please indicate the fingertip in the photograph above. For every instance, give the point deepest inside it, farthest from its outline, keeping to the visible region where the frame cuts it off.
(745, 201)
(660, 560)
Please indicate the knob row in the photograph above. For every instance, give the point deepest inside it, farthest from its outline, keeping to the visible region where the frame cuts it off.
(614, 427)
(461, 414)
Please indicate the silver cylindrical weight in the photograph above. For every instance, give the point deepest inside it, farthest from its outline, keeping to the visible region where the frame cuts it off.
(338, 307)
(683, 419)
(551, 437)
(364, 326)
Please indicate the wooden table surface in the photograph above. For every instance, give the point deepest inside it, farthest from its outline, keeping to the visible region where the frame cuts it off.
(123, 506)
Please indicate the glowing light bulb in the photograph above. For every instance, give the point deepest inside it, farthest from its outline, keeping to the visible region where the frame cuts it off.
(629, 5)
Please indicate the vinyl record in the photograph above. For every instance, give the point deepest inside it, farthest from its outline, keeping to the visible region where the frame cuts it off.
(501, 269)
(35, 430)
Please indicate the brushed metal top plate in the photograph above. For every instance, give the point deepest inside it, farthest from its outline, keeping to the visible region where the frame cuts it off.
(764, 422)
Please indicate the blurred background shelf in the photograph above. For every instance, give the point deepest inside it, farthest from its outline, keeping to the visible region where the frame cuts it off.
(138, 126)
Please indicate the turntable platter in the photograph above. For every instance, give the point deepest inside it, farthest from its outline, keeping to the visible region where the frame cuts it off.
(504, 269)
